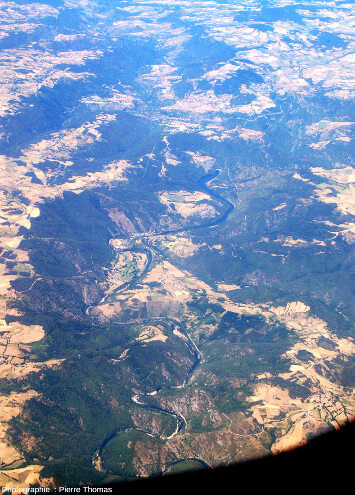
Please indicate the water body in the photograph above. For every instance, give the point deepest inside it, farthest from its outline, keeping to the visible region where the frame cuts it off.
(139, 398)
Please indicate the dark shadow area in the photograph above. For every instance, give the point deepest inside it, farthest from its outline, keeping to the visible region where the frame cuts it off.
(328, 456)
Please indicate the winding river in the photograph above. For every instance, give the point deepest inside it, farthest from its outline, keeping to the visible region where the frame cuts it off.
(139, 398)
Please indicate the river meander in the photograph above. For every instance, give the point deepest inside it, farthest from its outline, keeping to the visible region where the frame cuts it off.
(140, 399)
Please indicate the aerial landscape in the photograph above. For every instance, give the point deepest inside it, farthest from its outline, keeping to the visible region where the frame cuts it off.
(177, 234)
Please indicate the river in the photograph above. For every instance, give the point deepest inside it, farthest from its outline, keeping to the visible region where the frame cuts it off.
(139, 398)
